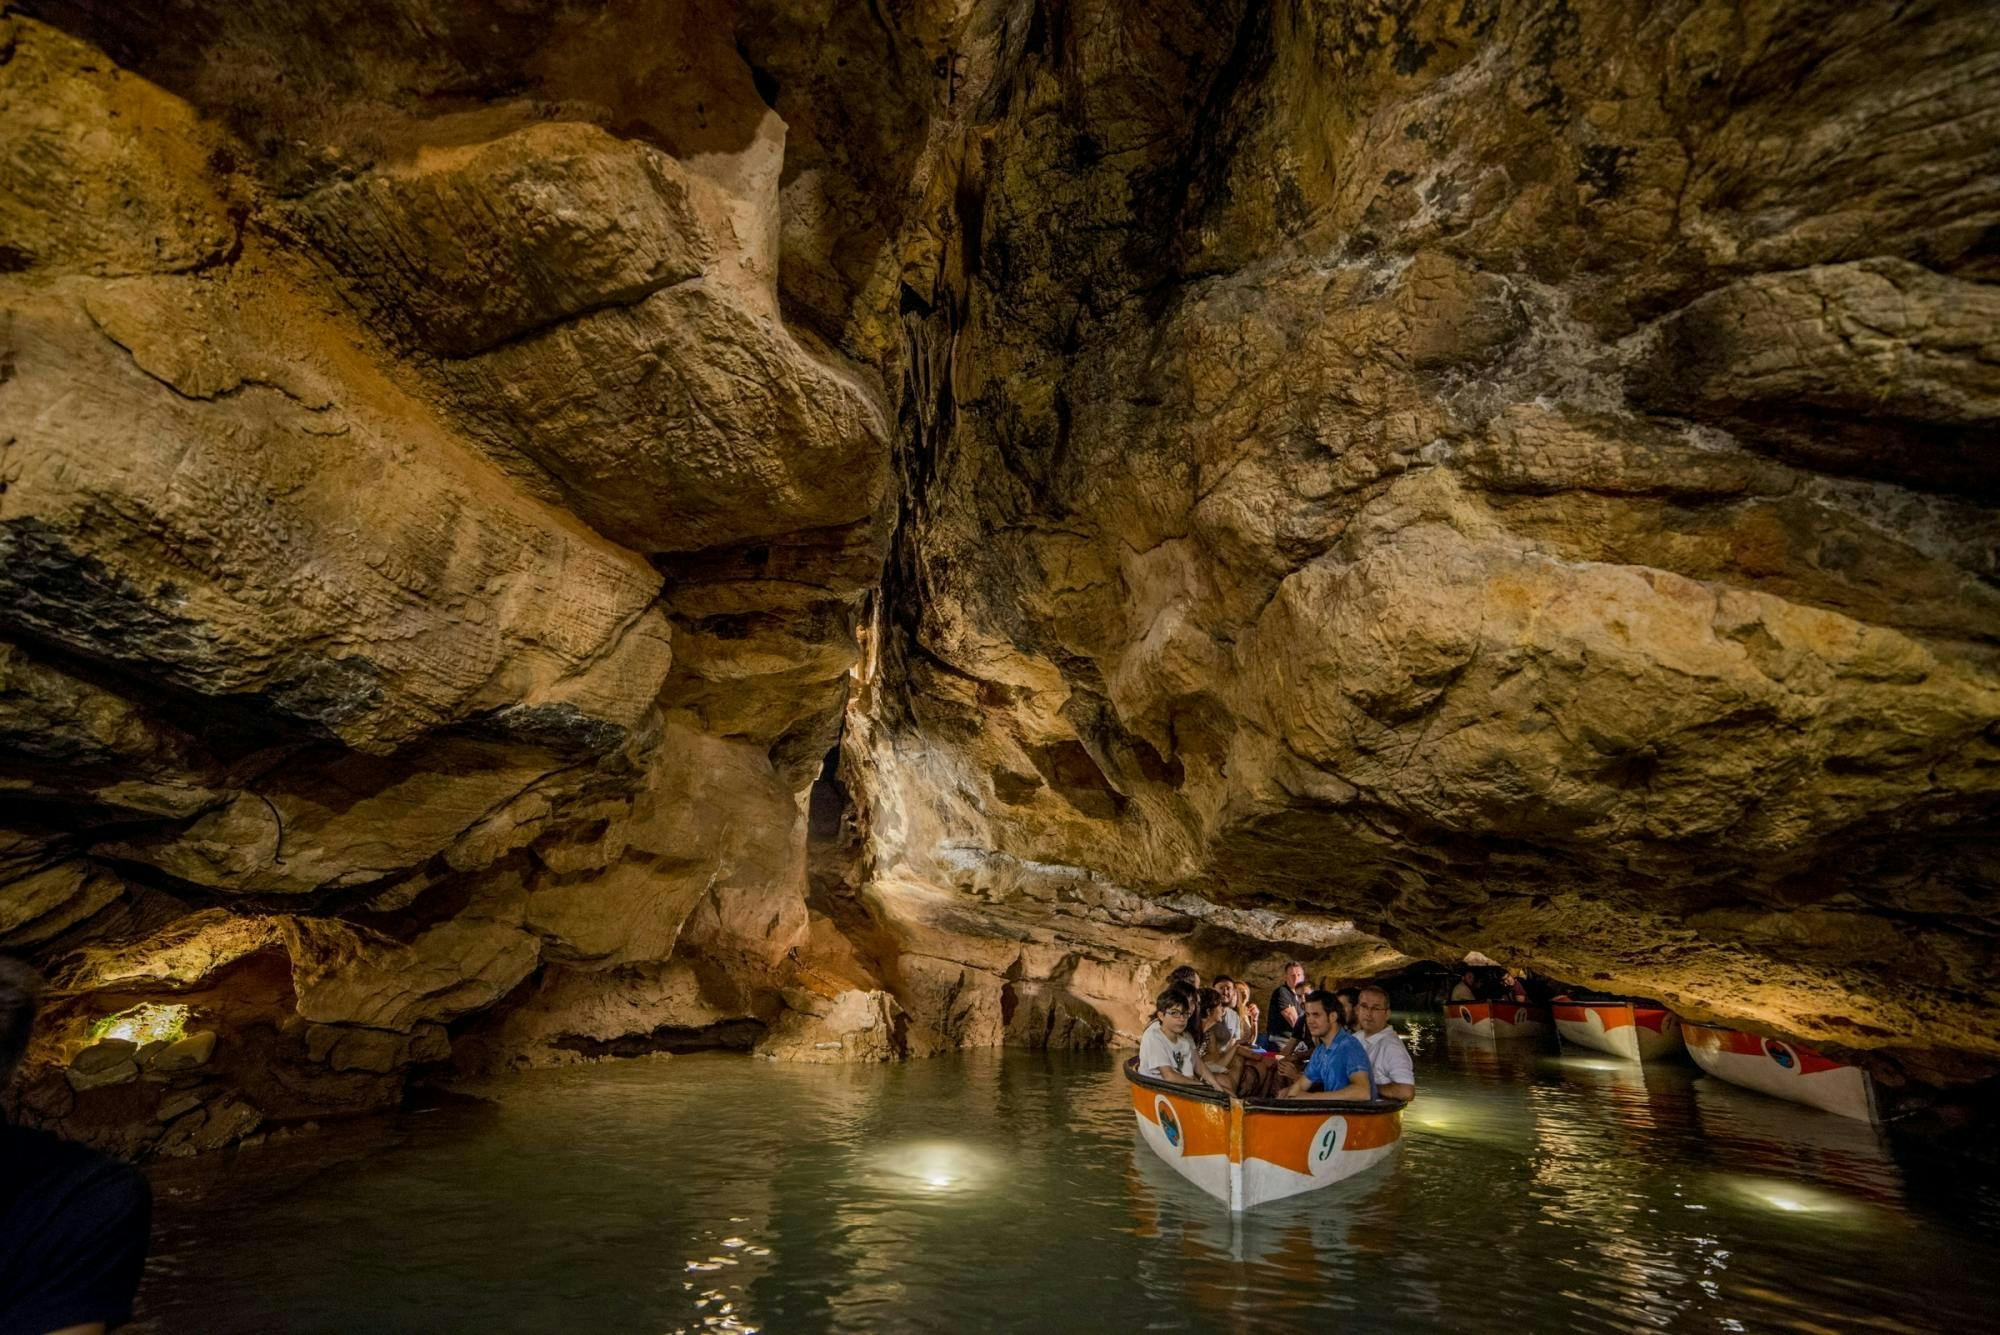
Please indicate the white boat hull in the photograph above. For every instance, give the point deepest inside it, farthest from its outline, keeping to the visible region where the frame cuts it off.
(1638, 1033)
(1783, 1070)
(1495, 1019)
(1246, 1155)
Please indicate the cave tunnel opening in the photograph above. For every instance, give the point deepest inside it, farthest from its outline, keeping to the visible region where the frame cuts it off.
(829, 803)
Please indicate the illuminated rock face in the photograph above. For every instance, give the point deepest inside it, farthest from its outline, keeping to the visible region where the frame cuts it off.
(1511, 474)
(1504, 475)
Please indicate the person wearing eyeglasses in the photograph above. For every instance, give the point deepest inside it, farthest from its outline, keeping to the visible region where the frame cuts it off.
(1395, 1074)
(1166, 1051)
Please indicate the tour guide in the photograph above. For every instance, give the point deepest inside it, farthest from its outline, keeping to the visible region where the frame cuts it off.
(1338, 1068)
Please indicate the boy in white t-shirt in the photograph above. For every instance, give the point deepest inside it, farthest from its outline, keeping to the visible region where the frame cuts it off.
(1166, 1052)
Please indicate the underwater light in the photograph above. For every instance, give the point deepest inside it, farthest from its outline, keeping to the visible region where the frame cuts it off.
(1793, 1197)
(147, 1022)
(933, 1165)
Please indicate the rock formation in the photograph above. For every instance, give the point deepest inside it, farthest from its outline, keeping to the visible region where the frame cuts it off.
(1367, 480)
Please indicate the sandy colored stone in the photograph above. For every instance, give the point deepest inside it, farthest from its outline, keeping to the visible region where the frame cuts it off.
(853, 1026)
(185, 1053)
(51, 901)
(106, 174)
(738, 431)
(466, 247)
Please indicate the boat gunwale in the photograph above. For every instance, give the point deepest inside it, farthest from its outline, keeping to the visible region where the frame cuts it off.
(1285, 1107)
(1635, 1005)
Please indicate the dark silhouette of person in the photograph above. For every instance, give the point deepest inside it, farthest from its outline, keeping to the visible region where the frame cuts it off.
(73, 1223)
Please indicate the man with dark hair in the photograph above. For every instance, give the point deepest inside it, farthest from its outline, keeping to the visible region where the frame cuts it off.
(1228, 1016)
(1286, 1014)
(1338, 1068)
(73, 1223)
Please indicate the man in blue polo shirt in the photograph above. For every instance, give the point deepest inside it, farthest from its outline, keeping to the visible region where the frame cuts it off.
(1338, 1068)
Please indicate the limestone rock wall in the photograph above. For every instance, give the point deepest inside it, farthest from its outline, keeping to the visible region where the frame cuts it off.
(429, 556)
(1509, 473)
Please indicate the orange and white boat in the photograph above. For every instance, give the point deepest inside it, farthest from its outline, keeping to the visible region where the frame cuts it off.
(1245, 1152)
(1785, 1070)
(1638, 1031)
(1495, 1019)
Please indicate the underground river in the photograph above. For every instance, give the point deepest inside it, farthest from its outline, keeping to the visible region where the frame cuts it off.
(1007, 1190)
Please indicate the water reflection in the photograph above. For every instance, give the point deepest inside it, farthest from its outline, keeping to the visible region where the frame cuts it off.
(1009, 1191)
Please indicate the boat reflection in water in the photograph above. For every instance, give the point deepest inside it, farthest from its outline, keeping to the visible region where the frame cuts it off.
(1759, 1141)
(1244, 1268)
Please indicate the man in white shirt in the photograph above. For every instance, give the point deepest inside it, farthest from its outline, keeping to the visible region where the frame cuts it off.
(1395, 1073)
(1166, 1052)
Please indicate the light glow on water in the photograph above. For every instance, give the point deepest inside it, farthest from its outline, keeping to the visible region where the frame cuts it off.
(1800, 1198)
(934, 1166)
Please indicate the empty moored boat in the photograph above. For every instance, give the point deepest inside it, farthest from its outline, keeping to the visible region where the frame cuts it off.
(1496, 1019)
(1785, 1070)
(1246, 1152)
(1639, 1031)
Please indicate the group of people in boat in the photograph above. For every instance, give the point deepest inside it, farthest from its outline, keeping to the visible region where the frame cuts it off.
(1325, 1043)
(1493, 983)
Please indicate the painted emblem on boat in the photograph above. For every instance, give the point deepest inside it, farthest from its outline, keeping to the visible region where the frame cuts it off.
(1329, 1141)
(1780, 1054)
(1170, 1126)
(1465, 1015)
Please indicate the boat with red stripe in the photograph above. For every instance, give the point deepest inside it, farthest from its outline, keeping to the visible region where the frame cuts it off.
(1245, 1152)
(1785, 1070)
(1496, 1019)
(1638, 1031)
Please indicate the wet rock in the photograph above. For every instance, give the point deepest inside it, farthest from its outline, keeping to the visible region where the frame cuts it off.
(853, 1026)
(186, 1053)
(108, 1061)
(224, 1123)
(179, 1102)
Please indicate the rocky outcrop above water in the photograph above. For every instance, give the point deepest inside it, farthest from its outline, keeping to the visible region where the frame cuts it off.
(431, 559)
(1507, 472)
(1364, 481)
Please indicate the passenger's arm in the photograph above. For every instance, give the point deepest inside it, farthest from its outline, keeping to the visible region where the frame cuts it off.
(1403, 1092)
(1356, 1089)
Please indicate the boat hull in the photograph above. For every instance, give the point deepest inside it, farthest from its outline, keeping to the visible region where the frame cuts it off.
(1496, 1019)
(1783, 1070)
(1632, 1030)
(1248, 1154)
